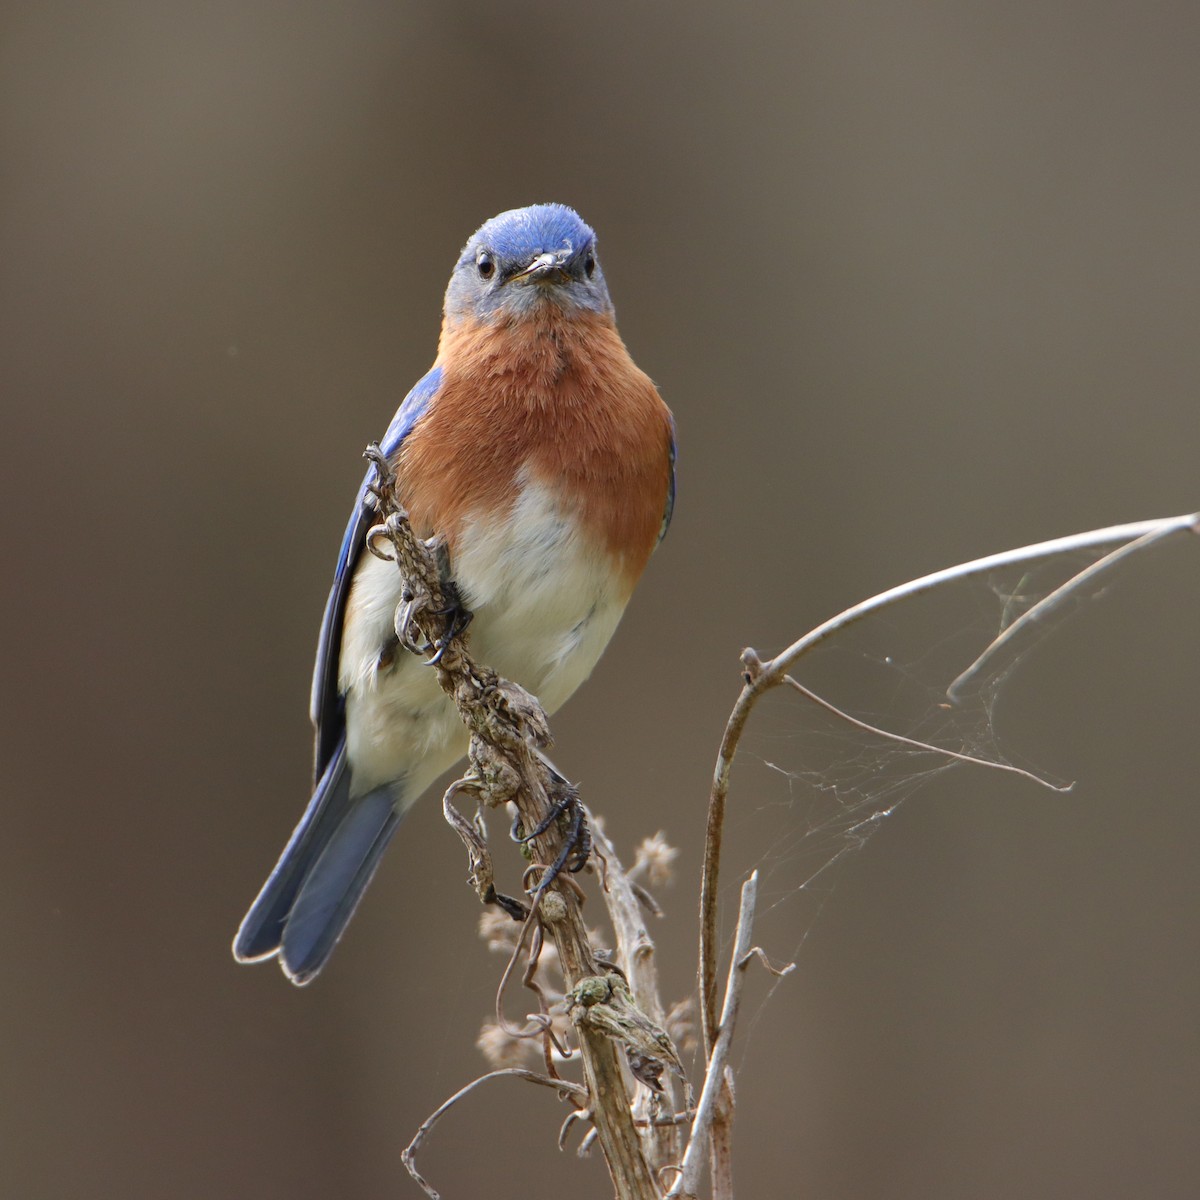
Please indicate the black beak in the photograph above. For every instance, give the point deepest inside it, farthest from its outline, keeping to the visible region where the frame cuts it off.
(546, 268)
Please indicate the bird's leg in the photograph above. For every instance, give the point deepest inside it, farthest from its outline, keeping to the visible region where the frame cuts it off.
(417, 599)
(383, 486)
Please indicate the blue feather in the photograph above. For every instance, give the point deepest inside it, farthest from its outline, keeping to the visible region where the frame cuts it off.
(521, 233)
(312, 893)
(261, 931)
(327, 707)
(334, 884)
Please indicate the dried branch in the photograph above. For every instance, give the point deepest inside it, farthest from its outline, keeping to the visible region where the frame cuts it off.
(1093, 539)
(716, 1095)
(508, 730)
(1049, 605)
(409, 1154)
(635, 952)
(479, 859)
(753, 687)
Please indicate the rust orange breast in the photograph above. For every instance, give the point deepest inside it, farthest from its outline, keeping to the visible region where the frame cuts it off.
(552, 400)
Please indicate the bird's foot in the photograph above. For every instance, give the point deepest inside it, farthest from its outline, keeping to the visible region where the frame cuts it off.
(383, 487)
(412, 607)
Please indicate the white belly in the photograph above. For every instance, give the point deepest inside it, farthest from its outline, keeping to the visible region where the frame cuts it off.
(546, 602)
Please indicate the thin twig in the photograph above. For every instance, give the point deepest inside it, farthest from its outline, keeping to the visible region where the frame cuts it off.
(688, 1183)
(479, 860)
(635, 951)
(757, 952)
(550, 1042)
(782, 663)
(1047, 605)
(409, 1156)
(713, 839)
(541, 1021)
(578, 1114)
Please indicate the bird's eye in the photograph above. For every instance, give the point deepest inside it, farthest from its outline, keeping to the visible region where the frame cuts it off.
(589, 265)
(485, 265)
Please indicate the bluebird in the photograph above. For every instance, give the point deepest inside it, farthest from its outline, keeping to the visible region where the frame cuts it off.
(545, 460)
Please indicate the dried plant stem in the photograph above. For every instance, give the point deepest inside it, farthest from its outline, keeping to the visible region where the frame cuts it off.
(752, 688)
(635, 951)
(1092, 539)
(1046, 607)
(409, 1154)
(714, 1114)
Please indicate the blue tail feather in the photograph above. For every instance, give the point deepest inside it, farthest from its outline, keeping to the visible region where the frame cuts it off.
(335, 884)
(314, 889)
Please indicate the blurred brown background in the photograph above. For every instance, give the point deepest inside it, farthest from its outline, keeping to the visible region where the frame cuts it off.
(921, 282)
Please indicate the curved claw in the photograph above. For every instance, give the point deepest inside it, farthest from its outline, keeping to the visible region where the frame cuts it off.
(442, 645)
(556, 810)
(406, 626)
(377, 533)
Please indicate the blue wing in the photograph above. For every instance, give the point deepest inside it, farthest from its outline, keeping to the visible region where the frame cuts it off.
(328, 706)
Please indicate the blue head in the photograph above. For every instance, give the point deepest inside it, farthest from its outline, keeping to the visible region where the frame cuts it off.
(525, 261)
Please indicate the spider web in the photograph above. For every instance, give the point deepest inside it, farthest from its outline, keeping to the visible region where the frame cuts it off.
(809, 789)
